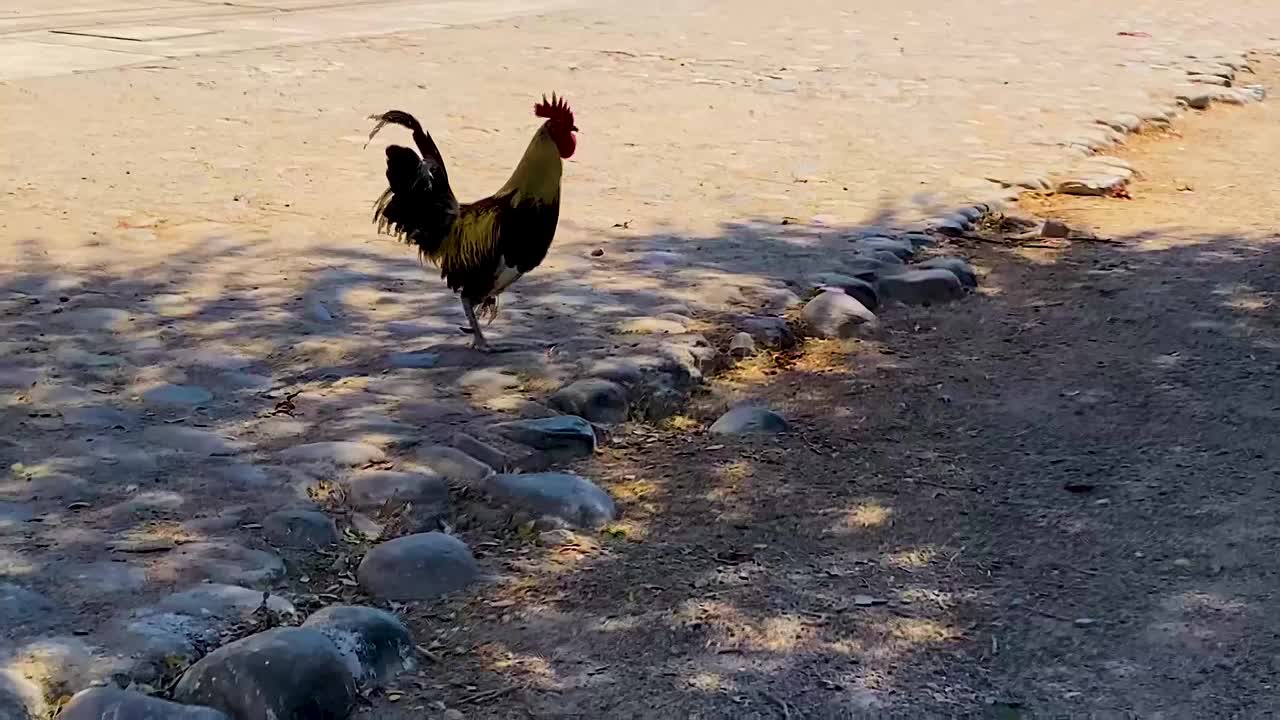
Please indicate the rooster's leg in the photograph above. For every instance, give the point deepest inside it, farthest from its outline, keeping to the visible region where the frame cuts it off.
(477, 339)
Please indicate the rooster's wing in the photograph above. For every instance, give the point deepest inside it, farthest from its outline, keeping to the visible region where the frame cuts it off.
(418, 206)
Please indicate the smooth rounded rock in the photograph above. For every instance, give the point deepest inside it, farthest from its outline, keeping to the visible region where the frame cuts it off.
(564, 437)
(109, 703)
(625, 372)
(902, 249)
(962, 269)
(285, 672)
(868, 268)
(348, 454)
(300, 529)
(220, 561)
(834, 314)
(374, 489)
(770, 332)
(418, 567)
(454, 465)
(564, 497)
(594, 399)
(779, 300)
(176, 396)
(374, 643)
(922, 287)
(482, 451)
(222, 601)
(952, 225)
(857, 288)
(196, 441)
(750, 420)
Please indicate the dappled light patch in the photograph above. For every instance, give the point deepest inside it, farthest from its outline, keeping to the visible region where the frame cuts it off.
(865, 515)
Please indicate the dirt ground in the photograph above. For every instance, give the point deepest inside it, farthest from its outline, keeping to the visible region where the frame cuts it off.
(1054, 499)
(187, 249)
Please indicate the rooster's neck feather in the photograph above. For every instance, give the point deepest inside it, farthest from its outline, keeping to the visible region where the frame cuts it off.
(537, 176)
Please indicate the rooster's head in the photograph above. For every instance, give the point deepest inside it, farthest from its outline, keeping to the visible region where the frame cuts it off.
(559, 123)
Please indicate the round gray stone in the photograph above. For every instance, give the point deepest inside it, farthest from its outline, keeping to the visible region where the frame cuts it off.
(285, 672)
(594, 399)
(231, 602)
(482, 451)
(922, 287)
(221, 561)
(962, 270)
(836, 315)
(454, 465)
(567, 498)
(374, 643)
(300, 529)
(196, 441)
(101, 703)
(857, 288)
(418, 567)
(564, 437)
(176, 396)
(373, 489)
(902, 249)
(750, 420)
(347, 454)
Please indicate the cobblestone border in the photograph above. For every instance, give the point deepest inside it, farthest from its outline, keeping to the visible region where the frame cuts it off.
(1086, 168)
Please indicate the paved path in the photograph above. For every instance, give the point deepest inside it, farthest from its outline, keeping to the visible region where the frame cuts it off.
(186, 239)
(49, 38)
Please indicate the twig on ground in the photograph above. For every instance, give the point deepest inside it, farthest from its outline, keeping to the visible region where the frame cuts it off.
(486, 696)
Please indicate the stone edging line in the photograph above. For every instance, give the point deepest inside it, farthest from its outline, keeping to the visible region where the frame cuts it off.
(1087, 169)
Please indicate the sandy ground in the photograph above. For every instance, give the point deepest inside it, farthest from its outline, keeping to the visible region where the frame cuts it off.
(202, 222)
(1055, 499)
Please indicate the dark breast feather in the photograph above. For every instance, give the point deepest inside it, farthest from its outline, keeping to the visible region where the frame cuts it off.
(522, 234)
(525, 232)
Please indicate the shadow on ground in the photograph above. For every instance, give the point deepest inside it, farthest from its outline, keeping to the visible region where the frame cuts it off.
(1048, 497)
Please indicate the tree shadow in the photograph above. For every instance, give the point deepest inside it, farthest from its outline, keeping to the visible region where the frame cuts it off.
(1043, 500)
(909, 549)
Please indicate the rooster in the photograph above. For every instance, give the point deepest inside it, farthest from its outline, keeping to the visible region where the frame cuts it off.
(482, 247)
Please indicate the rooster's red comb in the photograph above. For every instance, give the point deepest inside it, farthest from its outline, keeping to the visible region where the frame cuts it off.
(556, 110)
